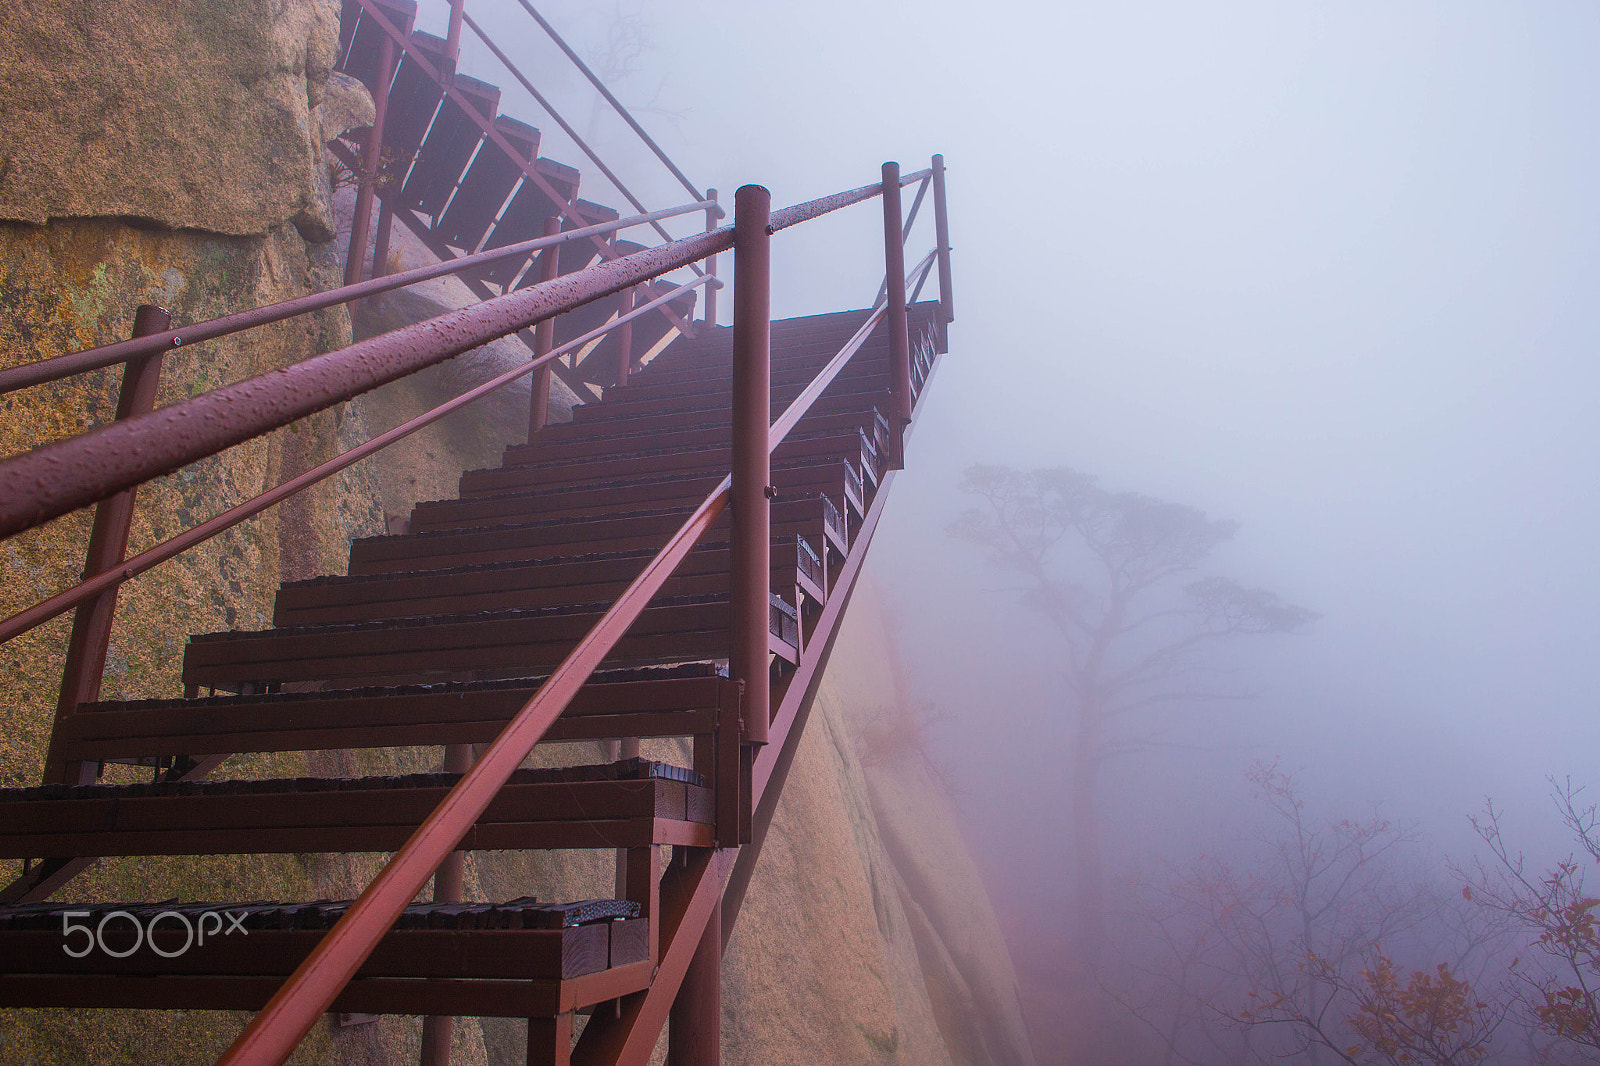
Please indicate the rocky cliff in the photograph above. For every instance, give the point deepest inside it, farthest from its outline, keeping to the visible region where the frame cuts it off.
(172, 153)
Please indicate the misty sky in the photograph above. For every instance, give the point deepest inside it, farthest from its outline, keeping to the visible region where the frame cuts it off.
(1323, 269)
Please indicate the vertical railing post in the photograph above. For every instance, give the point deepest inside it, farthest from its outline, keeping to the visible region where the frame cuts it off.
(452, 41)
(894, 266)
(108, 546)
(941, 230)
(380, 243)
(750, 581)
(694, 1035)
(712, 216)
(371, 157)
(544, 335)
(449, 883)
(624, 335)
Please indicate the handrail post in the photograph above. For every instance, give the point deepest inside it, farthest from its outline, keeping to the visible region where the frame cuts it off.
(544, 335)
(108, 546)
(941, 229)
(894, 264)
(624, 334)
(712, 215)
(380, 243)
(371, 158)
(449, 881)
(452, 41)
(750, 582)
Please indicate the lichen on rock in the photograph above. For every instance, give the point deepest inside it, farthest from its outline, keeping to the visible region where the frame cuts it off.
(191, 114)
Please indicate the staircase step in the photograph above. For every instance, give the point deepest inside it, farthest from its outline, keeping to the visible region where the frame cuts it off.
(786, 385)
(837, 480)
(697, 410)
(533, 585)
(489, 179)
(523, 220)
(632, 803)
(622, 409)
(814, 518)
(450, 647)
(818, 337)
(589, 440)
(232, 955)
(448, 147)
(854, 447)
(659, 701)
(361, 52)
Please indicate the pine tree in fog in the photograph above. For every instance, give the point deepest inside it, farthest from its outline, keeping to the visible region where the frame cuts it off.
(1116, 576)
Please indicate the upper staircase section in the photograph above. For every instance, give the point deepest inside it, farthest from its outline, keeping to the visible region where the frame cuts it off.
(465, 178)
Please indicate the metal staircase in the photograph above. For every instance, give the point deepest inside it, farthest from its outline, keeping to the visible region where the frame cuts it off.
(538, 606)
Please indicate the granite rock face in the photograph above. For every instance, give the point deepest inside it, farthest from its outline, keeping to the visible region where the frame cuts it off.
(190, 114)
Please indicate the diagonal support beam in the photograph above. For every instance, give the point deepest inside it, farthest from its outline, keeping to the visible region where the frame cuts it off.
(689, 893)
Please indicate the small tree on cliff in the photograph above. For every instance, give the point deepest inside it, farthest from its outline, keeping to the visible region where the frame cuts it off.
(1115, 575)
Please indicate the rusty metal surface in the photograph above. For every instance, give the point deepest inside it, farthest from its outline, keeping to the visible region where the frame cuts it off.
(822, 205)
(691, 893)
(694, 1034)
(894, 259)
(752, 458)
(43, 611)
(565, 205)
(713, 213)
(61, 477)
(544, 337)
(371, 157)
(279, 1028)
(566, 128)
(941, 229)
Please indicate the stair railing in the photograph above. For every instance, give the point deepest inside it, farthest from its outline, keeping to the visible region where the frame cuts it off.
(567, 128)
(611, 99)
(144, 345)
(54, 479)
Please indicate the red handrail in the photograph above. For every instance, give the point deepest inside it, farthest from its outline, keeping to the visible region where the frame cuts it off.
(57, 478)
(154, 556)
(600, 86)
(63, 366)
(566, 127)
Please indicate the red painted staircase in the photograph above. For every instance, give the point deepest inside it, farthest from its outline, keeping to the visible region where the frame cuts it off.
(538, 606)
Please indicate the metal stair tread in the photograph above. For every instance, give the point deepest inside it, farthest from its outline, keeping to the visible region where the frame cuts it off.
(634, 553)
(709, 668)
(635, 769)
(427, 621)
(524, 912)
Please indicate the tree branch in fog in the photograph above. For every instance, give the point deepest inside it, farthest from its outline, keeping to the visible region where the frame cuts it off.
(1558, 985)
(1287, 948)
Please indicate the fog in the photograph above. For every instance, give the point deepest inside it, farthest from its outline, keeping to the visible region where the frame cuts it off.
(1326, 270)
